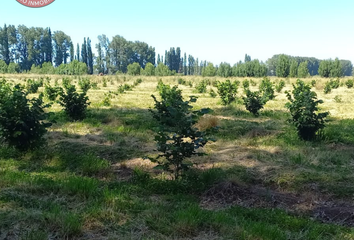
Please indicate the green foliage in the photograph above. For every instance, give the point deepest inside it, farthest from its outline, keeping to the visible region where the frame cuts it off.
(227, 91)
(13, 68)
(266, 88)
(51, 93)
(303, 70)
(324, 69)
(303, 108)
(124, 87)
(107, 100)
(209, 70)
(137, 82)
(331, 84)
(3, 66)
(162, 70)
(283, 66)
(212, 93)
(134, 69)
(246, 84)
(293, 69)
(22, 121)
(32, 85)
(201, 87)
(177, 138)
(85, 84)
(253, 101)
(337, 99)
(349, 83)
(74, 104)
(279, 86)
(313, 83)
(66, 82)
(149, 70)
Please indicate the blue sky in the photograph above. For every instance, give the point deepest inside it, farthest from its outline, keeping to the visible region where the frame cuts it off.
(216, 31)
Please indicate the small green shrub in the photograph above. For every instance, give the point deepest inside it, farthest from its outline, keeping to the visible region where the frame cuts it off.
(201, 87)
(303, 106)
(349, 83)
(253, 102)
(33, 86)
(85, 84)
(227, 91)
(177, 138)
(22, 121)
(51, 93)
(66, 82)
(279, 86)
(181, 81)
(266, 88)
(124, 87)
(246, 84)
(212, 93)
(337, 99)
(327, 89)
(107, 99)
(313, 83)
(137, 82)
(74, 104)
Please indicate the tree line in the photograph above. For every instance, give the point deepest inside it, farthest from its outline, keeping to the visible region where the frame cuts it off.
(38, 50)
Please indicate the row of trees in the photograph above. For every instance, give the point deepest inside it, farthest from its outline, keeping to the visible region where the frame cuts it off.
(32, 47)
(288, 66)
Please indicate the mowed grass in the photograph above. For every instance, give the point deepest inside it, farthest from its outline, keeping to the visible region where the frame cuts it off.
(90, 181)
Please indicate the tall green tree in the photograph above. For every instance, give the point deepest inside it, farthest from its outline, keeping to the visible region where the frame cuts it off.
(62, 43)
(303, 70)
(324, 69)
(247, 58)
(99, 60)
(283, 66)
(84, 52)
(293, 69)
(89, 57)
(4, 45)
(209, 70)
(224, 70)
(336, 69)
(77, 57)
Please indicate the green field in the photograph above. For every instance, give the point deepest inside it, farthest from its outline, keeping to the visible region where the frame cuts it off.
(257, 181)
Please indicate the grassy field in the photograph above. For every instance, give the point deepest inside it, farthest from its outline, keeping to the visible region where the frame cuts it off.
(258, 180)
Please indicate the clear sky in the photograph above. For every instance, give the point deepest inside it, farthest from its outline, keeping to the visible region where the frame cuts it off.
(212, 30)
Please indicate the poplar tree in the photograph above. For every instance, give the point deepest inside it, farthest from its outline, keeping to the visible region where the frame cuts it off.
(89, 57)
(84, 52)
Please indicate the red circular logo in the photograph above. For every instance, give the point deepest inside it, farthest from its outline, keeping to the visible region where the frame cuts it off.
(35, 3)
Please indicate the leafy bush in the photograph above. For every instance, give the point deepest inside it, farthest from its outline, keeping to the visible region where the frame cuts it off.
(327, 89)
(22, 121)
(74, 104)
(338, 99)
(181, 81)
(227, 91)
(51, 93)
(137, 82)
(201, 87)
(177, 137)
(212, 93)
(32, 86)
(253, 102)
(107, 99)
(349, 83)
(279, 86)
(85, 84)
(125, 87)
(303, 108)
(246, 84)
(266, 88)
(313, 83)
(66, 82)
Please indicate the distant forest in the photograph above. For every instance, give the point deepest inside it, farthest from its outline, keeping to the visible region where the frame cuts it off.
(38, 50)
